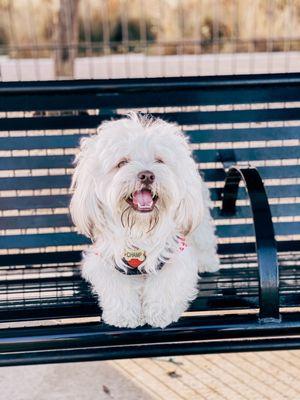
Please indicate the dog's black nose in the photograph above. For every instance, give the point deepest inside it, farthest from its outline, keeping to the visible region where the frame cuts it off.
(146, 177)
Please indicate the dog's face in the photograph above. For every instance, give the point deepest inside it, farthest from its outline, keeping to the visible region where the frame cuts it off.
(136, 173)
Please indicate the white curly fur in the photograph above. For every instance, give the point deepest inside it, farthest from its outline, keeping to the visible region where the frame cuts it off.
(99, 200)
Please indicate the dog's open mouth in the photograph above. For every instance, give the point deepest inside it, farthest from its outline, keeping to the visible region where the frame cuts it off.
(142, 200)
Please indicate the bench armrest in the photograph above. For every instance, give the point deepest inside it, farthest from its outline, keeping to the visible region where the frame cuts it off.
(264, 235)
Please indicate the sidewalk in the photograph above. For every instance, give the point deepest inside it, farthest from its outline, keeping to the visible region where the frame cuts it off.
(78, 381)
(251, 376)
(243, 376)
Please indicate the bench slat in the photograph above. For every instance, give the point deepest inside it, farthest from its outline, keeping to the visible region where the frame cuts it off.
(249, 247)
(248, 154)
(272, 172)
(42, 240)
(272, 192)
(35, 182)
(34, 202)
(36, 162)
(281, 228)
(195, 136)
(200, 156)
(54, 258)
(59, 201)
(238, 116)
(64, 220)
(175, 97)
(52, 123)
(36, 221)
(183, 118)
(40, 142)
(277, 210)
(72, 238)
(243, 135)
(62, 256)
(144, 92)
(210, 175)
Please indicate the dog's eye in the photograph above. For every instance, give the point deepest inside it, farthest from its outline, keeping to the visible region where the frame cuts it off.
(159, 161)
(122, 163)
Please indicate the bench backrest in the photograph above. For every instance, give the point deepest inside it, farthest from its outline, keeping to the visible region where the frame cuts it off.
(243, 119)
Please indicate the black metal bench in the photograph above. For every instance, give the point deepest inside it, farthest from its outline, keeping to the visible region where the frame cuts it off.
(47, 312)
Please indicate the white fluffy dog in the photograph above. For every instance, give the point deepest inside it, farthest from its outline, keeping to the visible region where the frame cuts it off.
(139, 197)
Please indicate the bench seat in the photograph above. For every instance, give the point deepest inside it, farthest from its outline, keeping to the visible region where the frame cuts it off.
(57, 291)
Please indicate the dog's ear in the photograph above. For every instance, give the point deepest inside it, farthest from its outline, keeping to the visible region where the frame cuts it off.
(190, 211)
(85, 208)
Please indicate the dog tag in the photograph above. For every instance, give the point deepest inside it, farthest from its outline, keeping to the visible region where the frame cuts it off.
(134, 257)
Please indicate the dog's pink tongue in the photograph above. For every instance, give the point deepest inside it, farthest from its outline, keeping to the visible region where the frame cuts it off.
(142, 199)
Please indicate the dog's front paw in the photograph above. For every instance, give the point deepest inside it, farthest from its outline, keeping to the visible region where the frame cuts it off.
(160, 316)
(120, 321)
(125, 317)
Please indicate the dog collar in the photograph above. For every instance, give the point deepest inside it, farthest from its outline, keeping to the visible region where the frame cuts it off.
(134, 258)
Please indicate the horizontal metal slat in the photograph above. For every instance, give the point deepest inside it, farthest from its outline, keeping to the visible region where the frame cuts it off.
(277, 210)
(249, 154)
(168, 97)
(36, 221)
(61, 257)
(57, 258)
(36, 162)
(237, 116)
(64, 220)
(62, 201)
(200, 156)
(35, 182)
(172, 97)
(52, 123)
(81, 86)
(242, 230)
(183, 118)
(42, 240)
(40, 142)
(249, 248)
(34, 202)
(71, 238)
(210, 175)
(143, 92)
(270, 172)
(243, 135)
(195, 136)
(273, 191)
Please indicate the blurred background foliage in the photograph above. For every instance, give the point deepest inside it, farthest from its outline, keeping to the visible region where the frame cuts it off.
(28, 28)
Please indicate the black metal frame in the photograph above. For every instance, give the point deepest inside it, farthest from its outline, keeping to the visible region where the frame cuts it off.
(265, 242)
(191, 335)
(148, 92)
